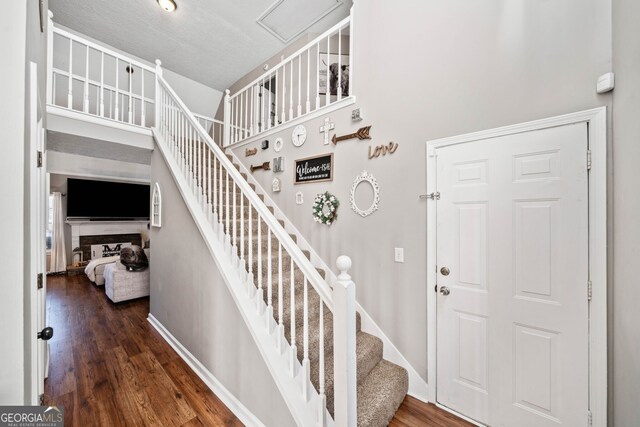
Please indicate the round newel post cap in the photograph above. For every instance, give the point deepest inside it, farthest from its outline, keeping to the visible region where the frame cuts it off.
(344, 264)
(158, 62)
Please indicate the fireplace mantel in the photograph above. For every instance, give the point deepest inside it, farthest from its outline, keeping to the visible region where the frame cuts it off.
(101, 228)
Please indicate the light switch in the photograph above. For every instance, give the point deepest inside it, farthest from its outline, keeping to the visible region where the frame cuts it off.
(399, 255)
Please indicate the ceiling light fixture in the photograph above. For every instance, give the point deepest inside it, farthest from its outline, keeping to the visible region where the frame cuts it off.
(167, 5)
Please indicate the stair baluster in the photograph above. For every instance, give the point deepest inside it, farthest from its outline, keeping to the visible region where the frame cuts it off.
(217, 185)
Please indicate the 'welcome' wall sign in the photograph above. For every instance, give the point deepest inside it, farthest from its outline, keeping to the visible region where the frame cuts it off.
(314, 169)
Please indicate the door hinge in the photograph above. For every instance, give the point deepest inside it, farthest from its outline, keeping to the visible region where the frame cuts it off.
(431, 196)
(41, 399)
(588, 160)
(40, 280)
(39, 159)
(590, 418)
(589, 290)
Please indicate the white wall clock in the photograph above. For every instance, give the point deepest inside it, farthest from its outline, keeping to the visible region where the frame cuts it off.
(277, 144)
(299, 135)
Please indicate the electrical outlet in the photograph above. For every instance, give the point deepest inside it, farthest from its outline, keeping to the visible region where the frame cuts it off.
(399, 255)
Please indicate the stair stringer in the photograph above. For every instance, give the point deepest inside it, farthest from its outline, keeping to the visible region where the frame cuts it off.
(305, 413)
(418, 387)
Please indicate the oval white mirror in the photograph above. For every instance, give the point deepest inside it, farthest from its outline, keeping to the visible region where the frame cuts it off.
(365, 183)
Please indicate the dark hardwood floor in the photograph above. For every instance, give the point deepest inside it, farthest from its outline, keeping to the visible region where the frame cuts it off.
(414, 413)
(109, 367)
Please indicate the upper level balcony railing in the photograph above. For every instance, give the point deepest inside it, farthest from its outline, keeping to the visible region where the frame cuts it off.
(317, 76)
(92, 79)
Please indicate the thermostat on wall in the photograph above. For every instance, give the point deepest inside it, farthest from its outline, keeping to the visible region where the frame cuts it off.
(606, 83)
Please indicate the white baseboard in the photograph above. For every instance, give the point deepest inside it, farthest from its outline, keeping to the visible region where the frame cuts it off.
(238, 409)
(418, 387)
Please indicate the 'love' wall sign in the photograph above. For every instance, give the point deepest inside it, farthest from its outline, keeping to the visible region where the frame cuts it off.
(314, 169)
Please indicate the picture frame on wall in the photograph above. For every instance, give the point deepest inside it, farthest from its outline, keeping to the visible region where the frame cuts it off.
(313, 169)
(334, 62)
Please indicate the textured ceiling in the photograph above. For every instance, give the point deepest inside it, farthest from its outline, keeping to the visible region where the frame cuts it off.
(211, 41)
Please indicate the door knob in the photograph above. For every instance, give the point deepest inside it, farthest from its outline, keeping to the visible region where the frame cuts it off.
(46, 333)
(445, 271)
(444, 290)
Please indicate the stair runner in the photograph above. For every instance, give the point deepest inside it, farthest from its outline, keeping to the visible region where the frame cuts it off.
(382, 385)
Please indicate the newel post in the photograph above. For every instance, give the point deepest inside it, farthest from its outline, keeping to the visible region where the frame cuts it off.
(227, 119)
(158, 99)
(344, 346)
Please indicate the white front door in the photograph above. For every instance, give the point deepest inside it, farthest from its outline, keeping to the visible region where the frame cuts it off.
(512, 274)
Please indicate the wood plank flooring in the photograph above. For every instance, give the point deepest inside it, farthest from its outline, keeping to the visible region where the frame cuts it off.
(109, 367)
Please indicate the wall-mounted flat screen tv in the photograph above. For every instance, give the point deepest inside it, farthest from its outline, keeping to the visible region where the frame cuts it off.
(106, 200)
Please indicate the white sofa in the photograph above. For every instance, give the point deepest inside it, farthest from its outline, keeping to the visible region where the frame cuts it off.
(122, 285)
(99, 273)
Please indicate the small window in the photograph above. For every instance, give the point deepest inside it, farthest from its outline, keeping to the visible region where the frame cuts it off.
(156, 206)
(49, 232)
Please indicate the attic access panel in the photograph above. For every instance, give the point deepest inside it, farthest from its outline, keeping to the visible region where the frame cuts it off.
(287, 19)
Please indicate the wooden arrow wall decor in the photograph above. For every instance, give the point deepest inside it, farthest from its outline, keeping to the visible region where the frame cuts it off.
(264, 166)
(362, 133)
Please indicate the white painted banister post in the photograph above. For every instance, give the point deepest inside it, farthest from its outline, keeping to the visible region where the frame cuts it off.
(227, 119)
(158, 98)
(344, 346)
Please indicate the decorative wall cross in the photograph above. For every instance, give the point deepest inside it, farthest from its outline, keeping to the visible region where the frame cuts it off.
(328, 126)
(362, 133)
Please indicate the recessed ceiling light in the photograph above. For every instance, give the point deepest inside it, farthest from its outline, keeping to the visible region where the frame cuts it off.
(167, 5)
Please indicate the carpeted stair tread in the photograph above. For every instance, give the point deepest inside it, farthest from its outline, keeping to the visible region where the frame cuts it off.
(313, 300)
(223, 212)
(286, 264)
(368, 355)
(381, 393)
(382, 385)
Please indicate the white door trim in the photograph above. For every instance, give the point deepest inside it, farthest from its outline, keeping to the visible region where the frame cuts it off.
(596, 120)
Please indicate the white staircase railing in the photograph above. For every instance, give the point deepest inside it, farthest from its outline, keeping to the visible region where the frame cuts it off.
(316, 76)
(236, 213)
(213, 127)
(89, 78)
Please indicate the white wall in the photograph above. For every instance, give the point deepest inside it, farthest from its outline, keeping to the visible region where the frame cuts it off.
(93, 167)
(22, 43)
(13, 27)
(624, 325)
(189, 297)
(426, 70)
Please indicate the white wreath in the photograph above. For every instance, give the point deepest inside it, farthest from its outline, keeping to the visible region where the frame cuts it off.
(364, 176)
